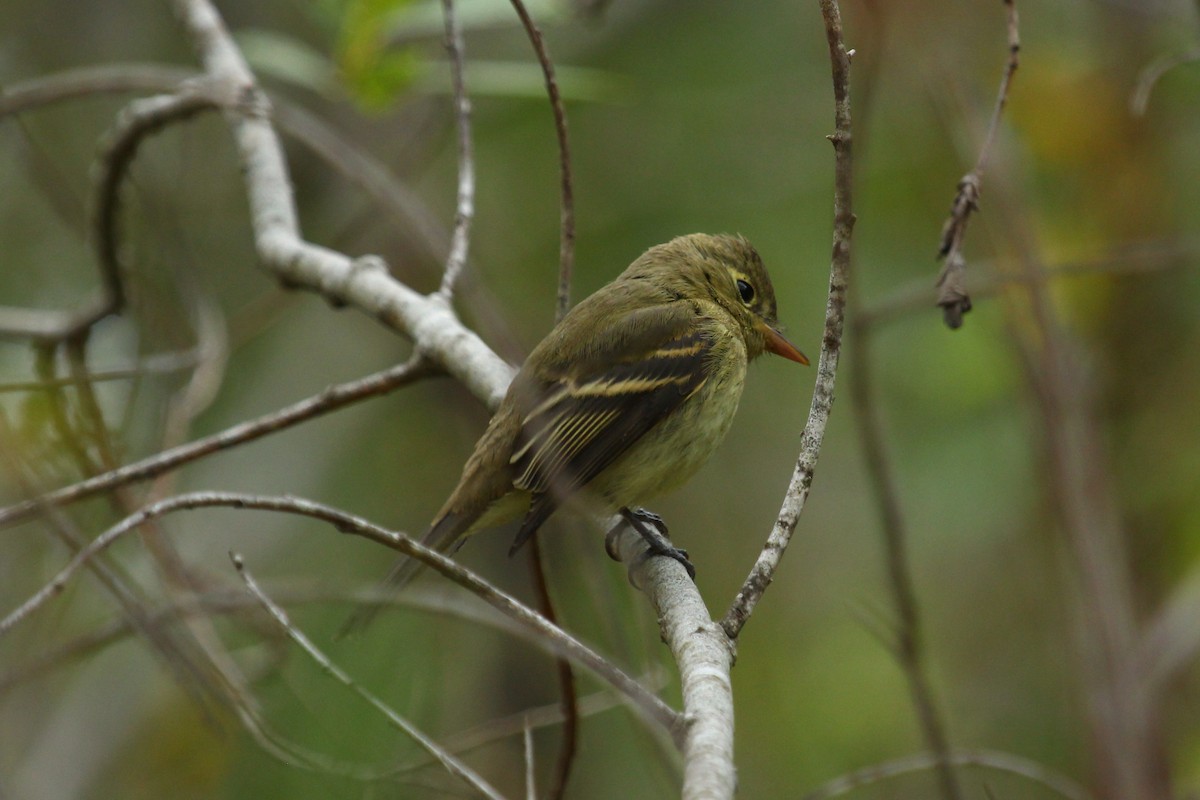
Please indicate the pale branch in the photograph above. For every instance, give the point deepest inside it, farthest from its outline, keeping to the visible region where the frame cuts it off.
(704, 655)
(449, 761)
(556, 640)
(952, 292)
(363, 282)
(763, 571)
(464, 206)
(566, 242)
(329, 399)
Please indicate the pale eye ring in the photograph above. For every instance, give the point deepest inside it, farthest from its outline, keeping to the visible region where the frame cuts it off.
(745, 290)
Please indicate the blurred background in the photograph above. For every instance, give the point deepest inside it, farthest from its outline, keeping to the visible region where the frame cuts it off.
(1044, 457)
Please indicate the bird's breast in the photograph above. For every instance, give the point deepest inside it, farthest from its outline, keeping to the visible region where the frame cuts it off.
(671, 452)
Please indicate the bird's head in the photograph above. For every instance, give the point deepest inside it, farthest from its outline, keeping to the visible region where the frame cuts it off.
(728, 271)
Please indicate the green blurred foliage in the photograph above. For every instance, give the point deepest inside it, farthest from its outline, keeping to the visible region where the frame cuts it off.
(683, 117)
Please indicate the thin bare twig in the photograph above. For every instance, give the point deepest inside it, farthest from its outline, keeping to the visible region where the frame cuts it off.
(223, 601)
(554, 638)
(530, 782)
(566, 676)
(157, 364)
(952, 292)
(184, 665)
(86, 81)
(902, 634)
(768, 560)
(1126, 259)
(1124, 720)
(330, 399)
(566, 244)
(569, 700)
(464, 208)
(904, 638)
(1139, 101)
(138, 120)
(448, 761)
(989, 759)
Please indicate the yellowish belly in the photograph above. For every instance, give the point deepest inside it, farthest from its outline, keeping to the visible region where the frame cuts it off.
(671, 452)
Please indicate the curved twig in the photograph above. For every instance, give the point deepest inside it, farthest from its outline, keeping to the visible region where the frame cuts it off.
(556, 639)
(566, 244)
(1139, 101)
(464, 207)
(768, 560)
(990, 759)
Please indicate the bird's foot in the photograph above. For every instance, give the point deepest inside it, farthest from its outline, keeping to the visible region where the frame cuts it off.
(653, 530)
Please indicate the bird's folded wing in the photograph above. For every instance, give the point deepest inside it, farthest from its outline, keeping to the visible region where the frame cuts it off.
(580, 422)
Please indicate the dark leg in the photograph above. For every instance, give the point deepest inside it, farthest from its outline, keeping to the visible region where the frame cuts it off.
(653, 531)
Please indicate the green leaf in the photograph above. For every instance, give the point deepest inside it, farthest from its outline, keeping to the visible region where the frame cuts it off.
(374, 73)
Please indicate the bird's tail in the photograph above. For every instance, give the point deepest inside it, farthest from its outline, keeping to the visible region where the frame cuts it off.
(445, 535)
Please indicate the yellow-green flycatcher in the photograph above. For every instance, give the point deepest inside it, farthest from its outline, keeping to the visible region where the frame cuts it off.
(625, 398)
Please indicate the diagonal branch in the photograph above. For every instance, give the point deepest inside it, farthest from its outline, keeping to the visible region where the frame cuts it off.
(555, 639)
(449, 761)
(330, 399)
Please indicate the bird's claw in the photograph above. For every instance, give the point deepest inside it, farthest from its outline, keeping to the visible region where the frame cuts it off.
(653, 531)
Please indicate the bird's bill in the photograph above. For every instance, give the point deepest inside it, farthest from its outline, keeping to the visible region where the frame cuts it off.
(782, 347)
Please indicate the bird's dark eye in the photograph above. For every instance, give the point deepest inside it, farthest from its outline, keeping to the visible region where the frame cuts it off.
(745, 290)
